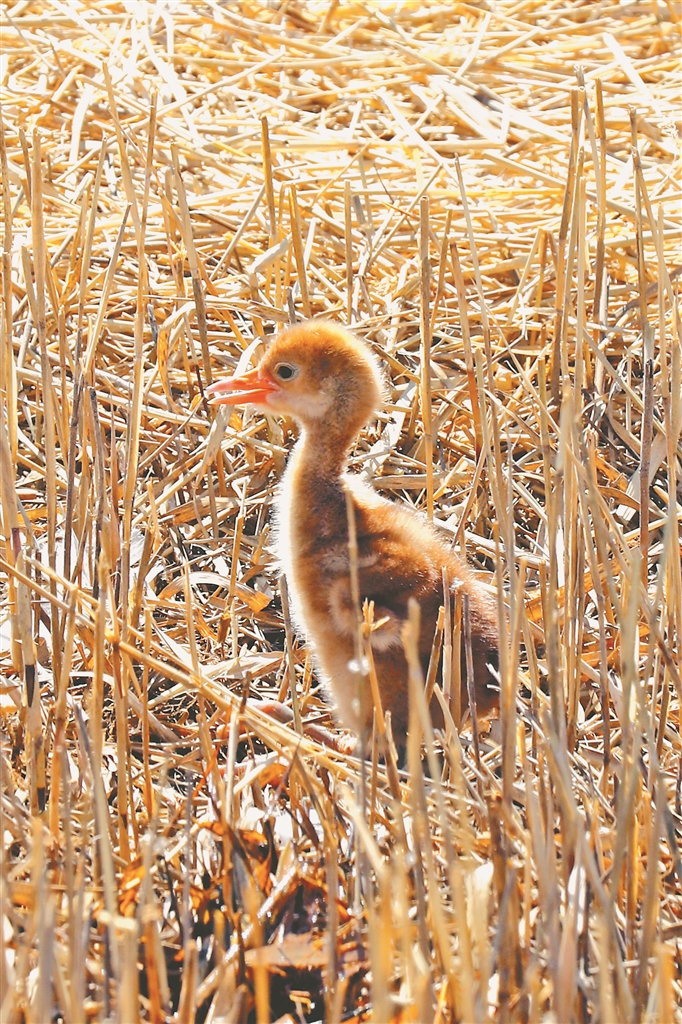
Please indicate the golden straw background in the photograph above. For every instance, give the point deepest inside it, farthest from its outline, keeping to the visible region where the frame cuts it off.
(489, 192)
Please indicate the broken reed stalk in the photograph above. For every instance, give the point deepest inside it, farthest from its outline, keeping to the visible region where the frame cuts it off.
(348, 238)
(291, 659)
(297, 237)
(425, 331)
(8, 383)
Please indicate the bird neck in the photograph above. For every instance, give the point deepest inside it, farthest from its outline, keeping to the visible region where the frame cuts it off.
(314, 499)
(322, 451)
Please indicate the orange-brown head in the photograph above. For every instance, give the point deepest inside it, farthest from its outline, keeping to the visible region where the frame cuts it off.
(317, 372)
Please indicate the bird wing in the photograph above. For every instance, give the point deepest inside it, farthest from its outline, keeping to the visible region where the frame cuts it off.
(388, 576)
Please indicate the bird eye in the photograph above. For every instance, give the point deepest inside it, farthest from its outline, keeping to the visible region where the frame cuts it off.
(285, 371)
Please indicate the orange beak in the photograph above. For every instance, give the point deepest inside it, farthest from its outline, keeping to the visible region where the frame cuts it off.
(253, 387)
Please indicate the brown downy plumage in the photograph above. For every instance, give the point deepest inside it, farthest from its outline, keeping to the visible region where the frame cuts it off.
(327, 380)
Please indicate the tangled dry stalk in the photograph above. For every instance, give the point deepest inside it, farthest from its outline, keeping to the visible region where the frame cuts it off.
(489, 192)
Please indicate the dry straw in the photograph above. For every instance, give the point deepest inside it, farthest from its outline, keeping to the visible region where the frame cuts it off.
(490, 194)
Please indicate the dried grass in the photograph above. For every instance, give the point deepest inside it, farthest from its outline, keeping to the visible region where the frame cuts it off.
(490, 194)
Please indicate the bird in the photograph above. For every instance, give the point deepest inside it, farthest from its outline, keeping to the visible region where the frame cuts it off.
(330, 382)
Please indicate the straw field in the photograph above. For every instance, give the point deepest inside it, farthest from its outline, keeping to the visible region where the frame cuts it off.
(489, 193)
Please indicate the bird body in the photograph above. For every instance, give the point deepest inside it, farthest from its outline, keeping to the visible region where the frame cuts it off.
(330, 382)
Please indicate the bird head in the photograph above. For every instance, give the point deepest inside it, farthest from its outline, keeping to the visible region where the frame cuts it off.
(317, 372)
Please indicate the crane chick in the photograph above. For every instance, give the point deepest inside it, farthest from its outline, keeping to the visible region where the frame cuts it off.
(330, 383)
